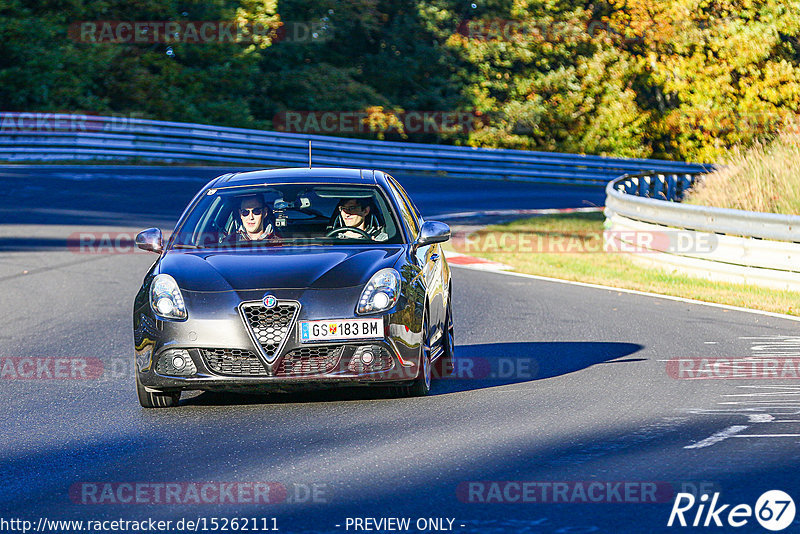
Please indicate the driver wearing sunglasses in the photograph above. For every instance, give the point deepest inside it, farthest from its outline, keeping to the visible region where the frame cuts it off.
(357, 213)
(256, 221)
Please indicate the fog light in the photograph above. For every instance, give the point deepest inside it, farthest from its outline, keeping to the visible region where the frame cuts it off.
(370, 359)
(367, 357)
(176, 362)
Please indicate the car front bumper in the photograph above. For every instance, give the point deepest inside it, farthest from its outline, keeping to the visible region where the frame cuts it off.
(221, 352)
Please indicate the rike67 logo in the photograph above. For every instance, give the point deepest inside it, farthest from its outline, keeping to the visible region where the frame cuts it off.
(774, 510)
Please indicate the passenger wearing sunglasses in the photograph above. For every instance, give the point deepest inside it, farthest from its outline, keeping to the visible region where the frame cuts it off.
(256, 221)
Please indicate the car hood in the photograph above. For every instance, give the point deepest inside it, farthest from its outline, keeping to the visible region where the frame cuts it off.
(277, 268)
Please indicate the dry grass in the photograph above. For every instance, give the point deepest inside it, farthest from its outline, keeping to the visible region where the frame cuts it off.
(764, 178)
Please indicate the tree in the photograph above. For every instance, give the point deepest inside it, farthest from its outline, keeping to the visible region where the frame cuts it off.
(715, 72)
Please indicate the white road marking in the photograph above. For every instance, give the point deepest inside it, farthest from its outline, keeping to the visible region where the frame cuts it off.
(777, 337)
(772, 386)
(767, 436)
(716, 438)
(771, 401)
(758, 394)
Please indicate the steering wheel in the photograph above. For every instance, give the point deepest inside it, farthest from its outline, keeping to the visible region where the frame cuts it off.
(343, 229)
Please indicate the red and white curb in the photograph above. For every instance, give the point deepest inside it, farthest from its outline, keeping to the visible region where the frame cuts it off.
(471, 262)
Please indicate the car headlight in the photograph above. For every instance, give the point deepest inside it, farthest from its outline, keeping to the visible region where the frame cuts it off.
(166, 300)
(380, 293)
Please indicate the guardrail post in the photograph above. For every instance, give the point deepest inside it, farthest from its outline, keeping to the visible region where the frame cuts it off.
(644, 186)
(661, 191)
(632, 187)
(672, 180)
(685, 183)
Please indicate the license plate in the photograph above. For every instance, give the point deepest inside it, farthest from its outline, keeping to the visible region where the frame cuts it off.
(339, 329)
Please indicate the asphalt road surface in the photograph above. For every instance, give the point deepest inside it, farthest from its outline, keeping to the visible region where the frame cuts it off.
(581, 393)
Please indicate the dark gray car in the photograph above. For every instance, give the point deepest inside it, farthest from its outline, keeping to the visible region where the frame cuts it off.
(281, 279)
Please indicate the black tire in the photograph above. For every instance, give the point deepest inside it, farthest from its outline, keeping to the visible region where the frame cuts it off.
(422, 384)
(156, 400)
(445, 364)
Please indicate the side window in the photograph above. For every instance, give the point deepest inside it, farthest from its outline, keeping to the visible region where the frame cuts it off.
(407, 199)
(405, 211)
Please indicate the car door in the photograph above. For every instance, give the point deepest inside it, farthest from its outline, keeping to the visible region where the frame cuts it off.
(430, 258)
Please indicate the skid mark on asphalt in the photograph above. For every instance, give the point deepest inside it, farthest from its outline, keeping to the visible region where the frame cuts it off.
(764, 405)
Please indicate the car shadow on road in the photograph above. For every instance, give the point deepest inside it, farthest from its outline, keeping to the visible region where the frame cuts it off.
(338, 394)
(476, 367)
(498, 364)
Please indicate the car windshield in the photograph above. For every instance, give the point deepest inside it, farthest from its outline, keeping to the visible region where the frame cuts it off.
(289, 214)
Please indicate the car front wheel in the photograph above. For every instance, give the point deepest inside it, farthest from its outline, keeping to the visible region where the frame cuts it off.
(445, 364)
(156, 400)
(422, 384)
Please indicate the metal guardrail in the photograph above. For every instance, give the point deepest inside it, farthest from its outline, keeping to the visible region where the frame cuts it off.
(641, 197)
(60, 137)
(752, 247)
(738, 246)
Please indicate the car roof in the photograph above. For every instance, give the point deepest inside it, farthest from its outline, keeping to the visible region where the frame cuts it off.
(301, 175)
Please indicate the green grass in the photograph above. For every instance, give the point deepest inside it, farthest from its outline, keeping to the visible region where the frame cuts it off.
(569, 247)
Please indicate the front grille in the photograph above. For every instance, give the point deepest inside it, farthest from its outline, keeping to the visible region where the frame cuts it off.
(382, 361)
(270, 327)
(310, 361)
(236, 362)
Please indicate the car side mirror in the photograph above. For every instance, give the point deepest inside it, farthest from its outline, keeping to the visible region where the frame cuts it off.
(432, 232)
(150, 240)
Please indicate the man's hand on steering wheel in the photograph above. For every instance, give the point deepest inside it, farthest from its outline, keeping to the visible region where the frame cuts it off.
(344, 230)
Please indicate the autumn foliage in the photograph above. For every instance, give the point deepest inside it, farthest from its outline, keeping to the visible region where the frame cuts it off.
(678, 79)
